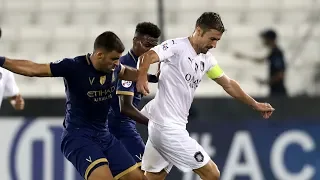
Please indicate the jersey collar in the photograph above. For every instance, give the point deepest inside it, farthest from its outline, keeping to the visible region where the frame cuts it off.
(133, 56)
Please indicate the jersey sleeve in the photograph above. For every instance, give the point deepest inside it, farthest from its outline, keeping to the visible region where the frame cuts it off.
(62, 68)
(125, 88)
(213, 70)
(11, 88)
(119, 69)
(166, 50)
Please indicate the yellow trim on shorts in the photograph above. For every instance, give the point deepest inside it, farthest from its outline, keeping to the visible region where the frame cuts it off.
(139, 164)
(93, 164)
(120, 175)
(128, 93)
(215, 72)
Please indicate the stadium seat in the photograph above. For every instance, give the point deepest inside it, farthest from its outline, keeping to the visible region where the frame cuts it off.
(264, 5)
(88, 12)
(175, 31)
(261, 17)
(54, 12)
(18, 11)
(69, 39)
(34, 39)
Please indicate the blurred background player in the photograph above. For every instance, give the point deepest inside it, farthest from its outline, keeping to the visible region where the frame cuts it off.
(124, 113)
(276, 60)
(9, 88)
(90, 81)
(184, 61)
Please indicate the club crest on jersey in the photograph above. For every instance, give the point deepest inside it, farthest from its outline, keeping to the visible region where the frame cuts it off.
(165, 46)
(126, 84)
(202, 66)
(102, 79)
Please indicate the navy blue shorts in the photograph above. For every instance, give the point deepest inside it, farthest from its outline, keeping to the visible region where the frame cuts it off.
(133, 143)
(87, 150)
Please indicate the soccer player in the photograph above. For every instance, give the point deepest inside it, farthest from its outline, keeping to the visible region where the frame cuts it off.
(184, 61)
(90, 81)
(9, 88)
(124, 113)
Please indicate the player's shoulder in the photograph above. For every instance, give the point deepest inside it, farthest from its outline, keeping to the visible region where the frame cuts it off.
(209, 58)
(82, 59)
(127, 60)
(71, 60)
(178, 43)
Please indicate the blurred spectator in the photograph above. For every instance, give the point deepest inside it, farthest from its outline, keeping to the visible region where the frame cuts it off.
(276, 62)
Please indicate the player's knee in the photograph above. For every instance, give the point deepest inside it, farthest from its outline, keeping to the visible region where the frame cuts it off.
(156, 176)
(100, 173)
(136, 174)
(214, 173)
(209, 172)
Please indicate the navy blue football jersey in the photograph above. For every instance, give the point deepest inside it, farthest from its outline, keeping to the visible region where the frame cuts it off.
(89, 92)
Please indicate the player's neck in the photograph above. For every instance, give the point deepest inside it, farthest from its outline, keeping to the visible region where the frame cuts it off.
(94, 63)
(134, 53)
(194, 45)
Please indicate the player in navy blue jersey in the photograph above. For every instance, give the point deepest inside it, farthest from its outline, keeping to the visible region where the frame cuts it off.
(90, 81)
(124, 113)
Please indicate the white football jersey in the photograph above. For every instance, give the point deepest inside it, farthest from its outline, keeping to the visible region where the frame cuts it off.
(182, 70)
(8, 86)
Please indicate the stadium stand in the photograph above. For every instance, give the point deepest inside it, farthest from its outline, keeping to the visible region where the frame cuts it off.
(47, 30)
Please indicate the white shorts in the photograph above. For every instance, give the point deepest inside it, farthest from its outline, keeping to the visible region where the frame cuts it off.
(172, 147)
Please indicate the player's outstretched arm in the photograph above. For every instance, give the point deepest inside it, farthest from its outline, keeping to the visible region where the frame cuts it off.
(128, 73)
(233, 89)
(128, 109)
(146, 59)
(25, 67)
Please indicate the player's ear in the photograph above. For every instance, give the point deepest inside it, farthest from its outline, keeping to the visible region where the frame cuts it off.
(100, 55)
(198, 31)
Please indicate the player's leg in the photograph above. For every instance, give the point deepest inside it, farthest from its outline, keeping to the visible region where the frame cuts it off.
(154, 165)
(121, 163)
(209, 171)
(86, 156)
(101, 173)
(134, 144)
(184, 152)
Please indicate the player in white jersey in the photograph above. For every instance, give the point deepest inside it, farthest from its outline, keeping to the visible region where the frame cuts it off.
(9, 88)
(184, 61)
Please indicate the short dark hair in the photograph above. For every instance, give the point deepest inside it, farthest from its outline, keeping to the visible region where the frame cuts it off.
(109, 41)
(269, 34)
(148, 28)
(210, 20)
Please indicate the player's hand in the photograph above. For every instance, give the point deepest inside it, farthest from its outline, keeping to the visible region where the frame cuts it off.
(142, 85)
(18, 102)
(265, 109)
